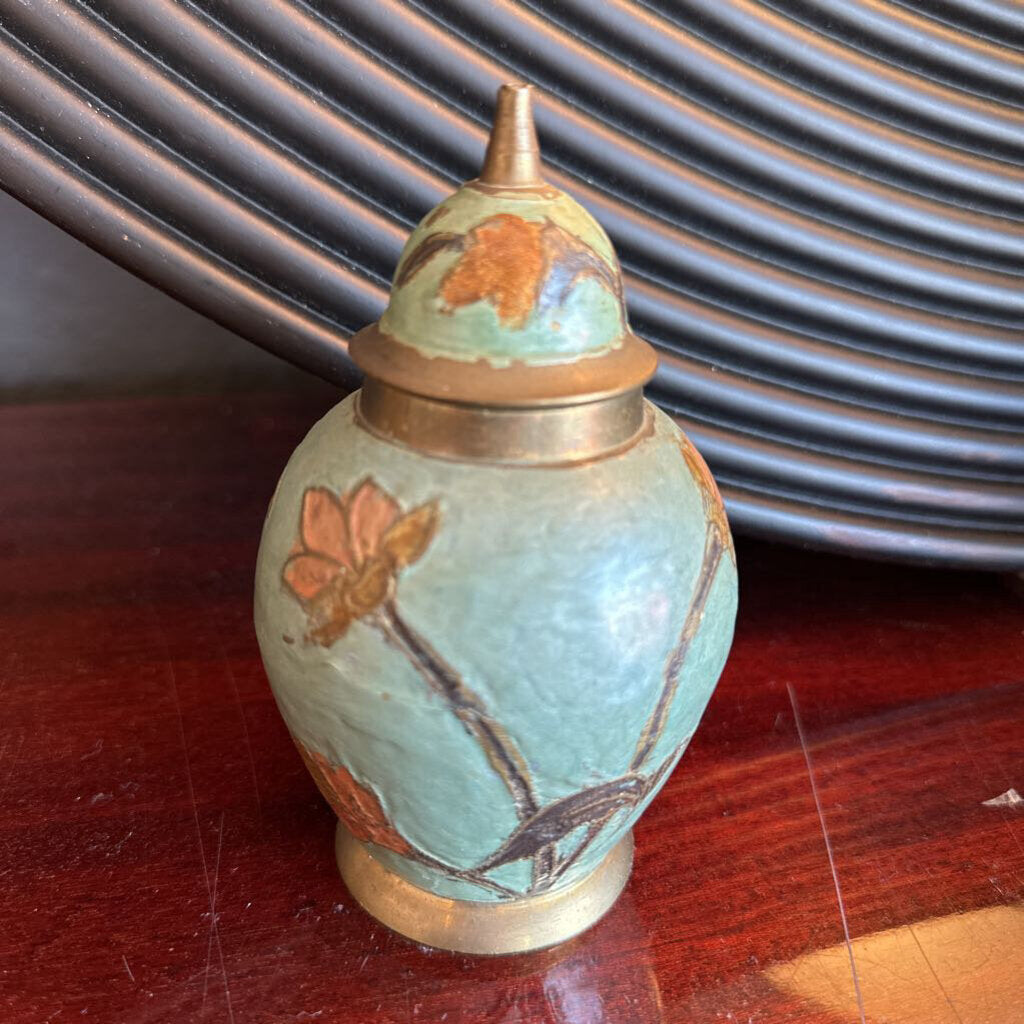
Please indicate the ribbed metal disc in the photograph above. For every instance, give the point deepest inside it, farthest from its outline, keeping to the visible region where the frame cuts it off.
(819, 207)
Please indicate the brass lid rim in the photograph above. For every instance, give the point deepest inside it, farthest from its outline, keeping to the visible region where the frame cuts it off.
(537, 436)
(625, 367)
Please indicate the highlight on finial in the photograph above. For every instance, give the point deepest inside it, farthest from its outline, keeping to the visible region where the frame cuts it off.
(513, 156)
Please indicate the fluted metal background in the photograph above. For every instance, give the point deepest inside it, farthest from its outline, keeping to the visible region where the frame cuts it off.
(819, 205)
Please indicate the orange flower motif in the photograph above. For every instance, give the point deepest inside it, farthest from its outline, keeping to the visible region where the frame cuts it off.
(517, 265)
(350, 550)
(503, 263)
(357, 807)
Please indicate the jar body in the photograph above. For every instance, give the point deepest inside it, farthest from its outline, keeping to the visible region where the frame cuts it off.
(489, 669)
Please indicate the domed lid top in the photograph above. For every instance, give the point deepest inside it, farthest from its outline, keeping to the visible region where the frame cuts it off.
(508, 289)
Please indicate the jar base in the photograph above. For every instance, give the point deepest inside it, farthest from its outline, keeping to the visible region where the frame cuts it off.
(487, 928)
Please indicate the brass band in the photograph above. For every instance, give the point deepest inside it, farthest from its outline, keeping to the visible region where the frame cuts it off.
(629, 365)
(467, 926)
(532, 435)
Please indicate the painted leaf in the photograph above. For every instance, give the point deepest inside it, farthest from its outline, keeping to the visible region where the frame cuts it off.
(569, 261)
(308, 575)
(409, 538)
(370, 512)
(358, 808)
(710, 495)
(332, 627)
(443, 241)
(324, 530)
(503, 264)
(371, 589)
(558, 819)
(697, 466)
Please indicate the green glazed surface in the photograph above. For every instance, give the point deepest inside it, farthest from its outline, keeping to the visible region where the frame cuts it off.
(556, 595)
(568, 277)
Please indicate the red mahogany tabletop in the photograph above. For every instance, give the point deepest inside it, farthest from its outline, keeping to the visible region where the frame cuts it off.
(842, 842)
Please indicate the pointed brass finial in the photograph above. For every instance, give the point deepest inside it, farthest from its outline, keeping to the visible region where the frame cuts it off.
(513, 156)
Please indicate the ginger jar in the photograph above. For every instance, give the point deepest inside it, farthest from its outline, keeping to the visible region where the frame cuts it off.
(496, 587)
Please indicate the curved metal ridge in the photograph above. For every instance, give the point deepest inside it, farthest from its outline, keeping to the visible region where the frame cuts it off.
(911, 41)
(997, 21)
(911, 496)
(662, 111)
(819, 207)
(859, 81)
(810, 525)
(805, 122)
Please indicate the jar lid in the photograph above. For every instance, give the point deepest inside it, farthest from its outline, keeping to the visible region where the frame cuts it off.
(508, 293)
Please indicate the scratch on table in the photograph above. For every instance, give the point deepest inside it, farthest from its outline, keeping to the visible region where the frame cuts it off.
(124, 959)
(229, 672)
(245, 732)
(93, 751)
(828, 848)
(938, 980)
(195, 815)
(213, 916)
(120, 845)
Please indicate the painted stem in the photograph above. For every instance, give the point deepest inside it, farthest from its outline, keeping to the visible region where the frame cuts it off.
(593, 830)
(464, 875)
(714, 546)
(596, 827)
(467, 706)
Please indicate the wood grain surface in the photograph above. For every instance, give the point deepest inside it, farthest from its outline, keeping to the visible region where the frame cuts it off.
(842, 842)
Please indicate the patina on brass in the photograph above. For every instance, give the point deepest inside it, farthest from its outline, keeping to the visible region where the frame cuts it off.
(515, 926)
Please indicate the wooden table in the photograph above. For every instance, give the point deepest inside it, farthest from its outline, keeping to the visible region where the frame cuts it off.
(841, 842)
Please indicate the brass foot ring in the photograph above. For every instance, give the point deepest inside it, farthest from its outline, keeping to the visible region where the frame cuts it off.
(469, 926)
